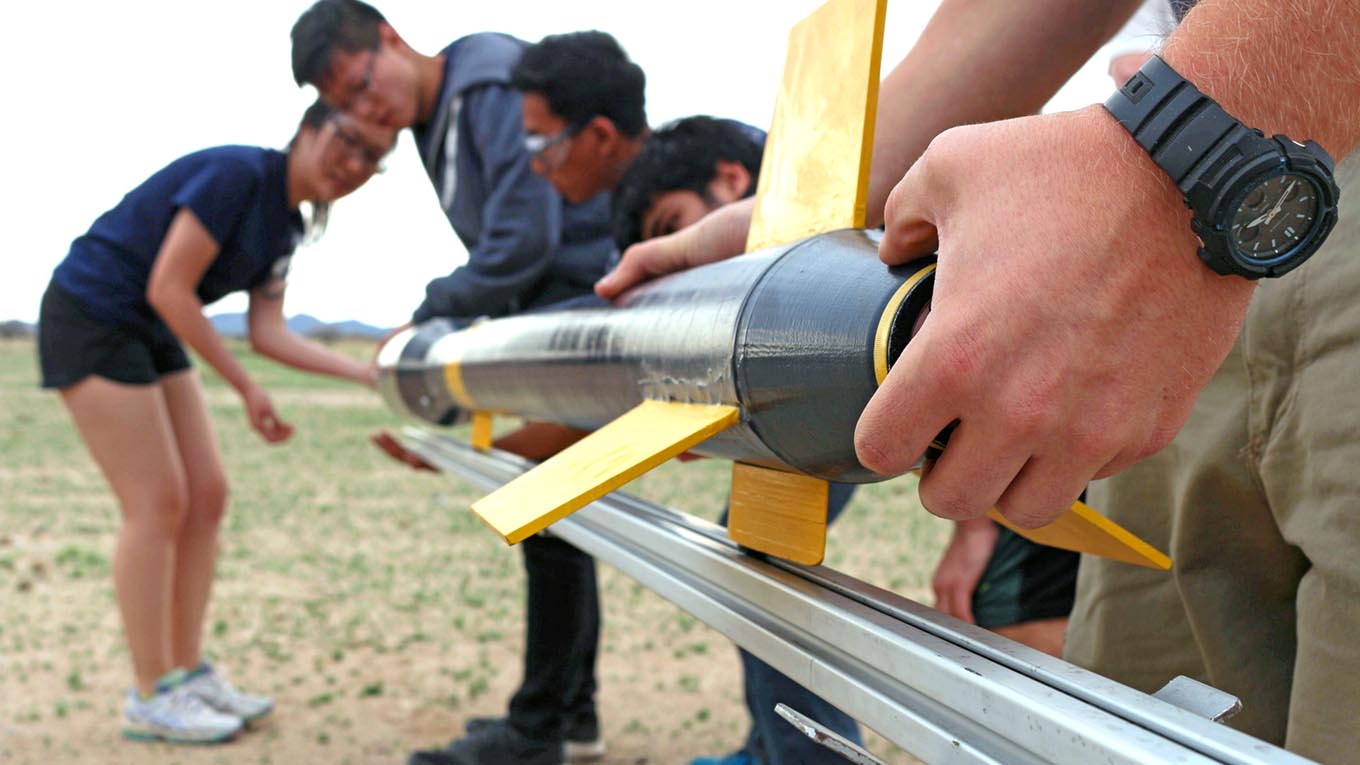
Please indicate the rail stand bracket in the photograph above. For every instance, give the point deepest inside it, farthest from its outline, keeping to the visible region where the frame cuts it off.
(1200, 699)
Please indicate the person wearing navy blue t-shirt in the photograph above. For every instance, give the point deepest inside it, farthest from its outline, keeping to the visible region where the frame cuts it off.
(129, 291)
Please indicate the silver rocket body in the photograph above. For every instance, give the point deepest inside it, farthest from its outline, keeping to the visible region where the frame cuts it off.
(787, 334)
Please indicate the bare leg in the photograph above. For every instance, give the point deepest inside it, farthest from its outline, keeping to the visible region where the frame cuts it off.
(127, 430)
(196, 545)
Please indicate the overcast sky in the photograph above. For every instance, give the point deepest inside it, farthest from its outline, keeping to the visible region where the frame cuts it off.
(102, 94)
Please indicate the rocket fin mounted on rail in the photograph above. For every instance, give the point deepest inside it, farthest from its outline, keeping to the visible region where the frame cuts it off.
(778, 512)
(644, 437)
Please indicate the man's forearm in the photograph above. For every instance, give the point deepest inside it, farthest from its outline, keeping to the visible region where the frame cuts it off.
(979, 61)
(719, 235)
(1281, 66)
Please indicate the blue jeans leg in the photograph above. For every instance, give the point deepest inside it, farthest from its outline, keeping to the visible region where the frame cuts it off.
(784, 744)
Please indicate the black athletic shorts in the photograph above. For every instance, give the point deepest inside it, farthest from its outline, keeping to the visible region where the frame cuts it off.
(1024, 582)
(73, 346)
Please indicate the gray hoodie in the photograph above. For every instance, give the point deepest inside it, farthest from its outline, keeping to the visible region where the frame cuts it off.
(526, 245)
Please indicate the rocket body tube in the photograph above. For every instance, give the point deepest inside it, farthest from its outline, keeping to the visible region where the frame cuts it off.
(797, 337)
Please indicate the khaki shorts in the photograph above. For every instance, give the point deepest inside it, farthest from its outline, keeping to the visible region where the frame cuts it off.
(1258, 503)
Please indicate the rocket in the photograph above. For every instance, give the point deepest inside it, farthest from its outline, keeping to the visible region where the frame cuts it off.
(784, 347)
(766, 359)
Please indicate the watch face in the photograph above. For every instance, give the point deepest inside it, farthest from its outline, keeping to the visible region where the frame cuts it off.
(1275, 217)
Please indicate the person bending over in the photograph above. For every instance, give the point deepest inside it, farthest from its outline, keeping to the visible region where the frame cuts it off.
(111, 330)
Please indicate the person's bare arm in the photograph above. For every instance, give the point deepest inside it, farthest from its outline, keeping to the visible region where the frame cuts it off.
(1290, 67)
(185, 255)
(980, 61)
(1073, 323)
(962, 565)
(270, 337)
(717, 236)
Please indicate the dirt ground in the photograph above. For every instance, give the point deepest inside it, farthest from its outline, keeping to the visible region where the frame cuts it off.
(365, 598)
(370, 704)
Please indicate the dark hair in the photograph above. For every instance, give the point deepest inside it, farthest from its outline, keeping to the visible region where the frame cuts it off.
(583, 75)
(318, 114)
(349, 25)
(681, 156)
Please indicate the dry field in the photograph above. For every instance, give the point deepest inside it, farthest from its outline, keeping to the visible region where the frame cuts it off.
(365, 597)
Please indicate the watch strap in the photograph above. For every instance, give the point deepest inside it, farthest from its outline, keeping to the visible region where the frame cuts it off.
(1171, 119)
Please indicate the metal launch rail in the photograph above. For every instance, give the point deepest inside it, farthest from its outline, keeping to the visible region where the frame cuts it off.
(946, 691)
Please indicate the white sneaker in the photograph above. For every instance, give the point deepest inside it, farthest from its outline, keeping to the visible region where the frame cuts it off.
(177, 716)
(212, 689)
(578, 752)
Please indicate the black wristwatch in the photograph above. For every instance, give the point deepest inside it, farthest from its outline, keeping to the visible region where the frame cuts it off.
(1261, 206)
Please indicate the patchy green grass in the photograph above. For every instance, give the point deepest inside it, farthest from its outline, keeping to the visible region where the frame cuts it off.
(364, 596)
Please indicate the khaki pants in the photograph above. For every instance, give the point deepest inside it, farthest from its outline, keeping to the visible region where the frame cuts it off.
(1258, 503)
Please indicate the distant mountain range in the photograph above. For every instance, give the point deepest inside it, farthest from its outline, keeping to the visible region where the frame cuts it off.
(234, 325)
(15, 328)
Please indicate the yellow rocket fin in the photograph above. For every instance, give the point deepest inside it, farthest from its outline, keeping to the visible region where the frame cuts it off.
(1084, 530)
(481, 431)
(644, 437)
(815, 173)
(780, 513)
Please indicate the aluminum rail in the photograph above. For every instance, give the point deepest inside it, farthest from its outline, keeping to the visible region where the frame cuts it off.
(946, 691)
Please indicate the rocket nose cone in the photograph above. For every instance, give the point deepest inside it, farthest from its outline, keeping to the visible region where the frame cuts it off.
(409, 380)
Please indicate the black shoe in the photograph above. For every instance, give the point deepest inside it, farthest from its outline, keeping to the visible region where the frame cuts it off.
(475, 724)
(493, 742)
(431, 757)
(583, 729)
(583, 741)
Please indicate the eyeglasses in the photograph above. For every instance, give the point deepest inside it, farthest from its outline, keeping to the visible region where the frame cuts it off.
(538, 146)
(364, 85)
(356, 147)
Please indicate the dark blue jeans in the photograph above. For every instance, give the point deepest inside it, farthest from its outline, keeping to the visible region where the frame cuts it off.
(772, 740)
(561, 637)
